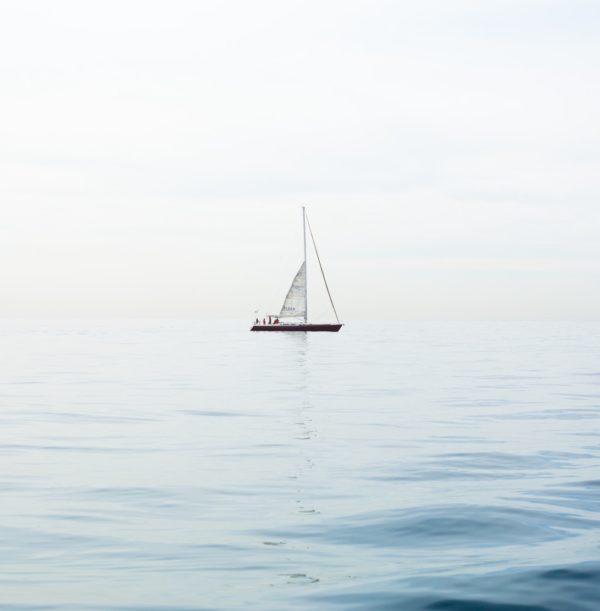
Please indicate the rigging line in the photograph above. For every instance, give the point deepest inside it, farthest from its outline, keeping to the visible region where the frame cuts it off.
(322, 271)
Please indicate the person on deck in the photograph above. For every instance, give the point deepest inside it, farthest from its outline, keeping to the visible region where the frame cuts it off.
(270, 320)
(264, 322)
(256, 322)
(276, 321)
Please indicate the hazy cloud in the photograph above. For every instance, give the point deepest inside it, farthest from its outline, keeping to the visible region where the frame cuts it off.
(154, 156)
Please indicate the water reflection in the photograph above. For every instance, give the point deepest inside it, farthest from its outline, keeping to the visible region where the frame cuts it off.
(303, 433)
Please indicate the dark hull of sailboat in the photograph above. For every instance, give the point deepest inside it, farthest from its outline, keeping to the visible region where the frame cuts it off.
(333, 328)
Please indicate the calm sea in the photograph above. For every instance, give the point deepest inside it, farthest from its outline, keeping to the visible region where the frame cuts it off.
(185, 465)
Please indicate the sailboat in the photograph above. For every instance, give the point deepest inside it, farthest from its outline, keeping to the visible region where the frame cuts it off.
(295, 305)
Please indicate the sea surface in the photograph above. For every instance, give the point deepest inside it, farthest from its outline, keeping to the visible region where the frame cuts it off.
(187, 465)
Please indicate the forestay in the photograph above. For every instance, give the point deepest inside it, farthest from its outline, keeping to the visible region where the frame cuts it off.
(295, 301)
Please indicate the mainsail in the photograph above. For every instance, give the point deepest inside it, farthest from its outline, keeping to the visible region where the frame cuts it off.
(295, 301)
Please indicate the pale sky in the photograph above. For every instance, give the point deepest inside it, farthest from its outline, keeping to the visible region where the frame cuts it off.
(154, 156)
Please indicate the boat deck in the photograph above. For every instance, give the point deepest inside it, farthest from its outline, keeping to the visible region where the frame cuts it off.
(282, 327)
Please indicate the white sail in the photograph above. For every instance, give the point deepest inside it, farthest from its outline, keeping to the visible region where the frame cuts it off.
(295, 301)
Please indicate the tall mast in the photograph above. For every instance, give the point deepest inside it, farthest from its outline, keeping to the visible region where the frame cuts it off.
(305, 270)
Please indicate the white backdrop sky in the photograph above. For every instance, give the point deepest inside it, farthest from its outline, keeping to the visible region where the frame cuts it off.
(154, 156)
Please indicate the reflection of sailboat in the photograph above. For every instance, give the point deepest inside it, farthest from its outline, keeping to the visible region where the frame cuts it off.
(296, 301)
